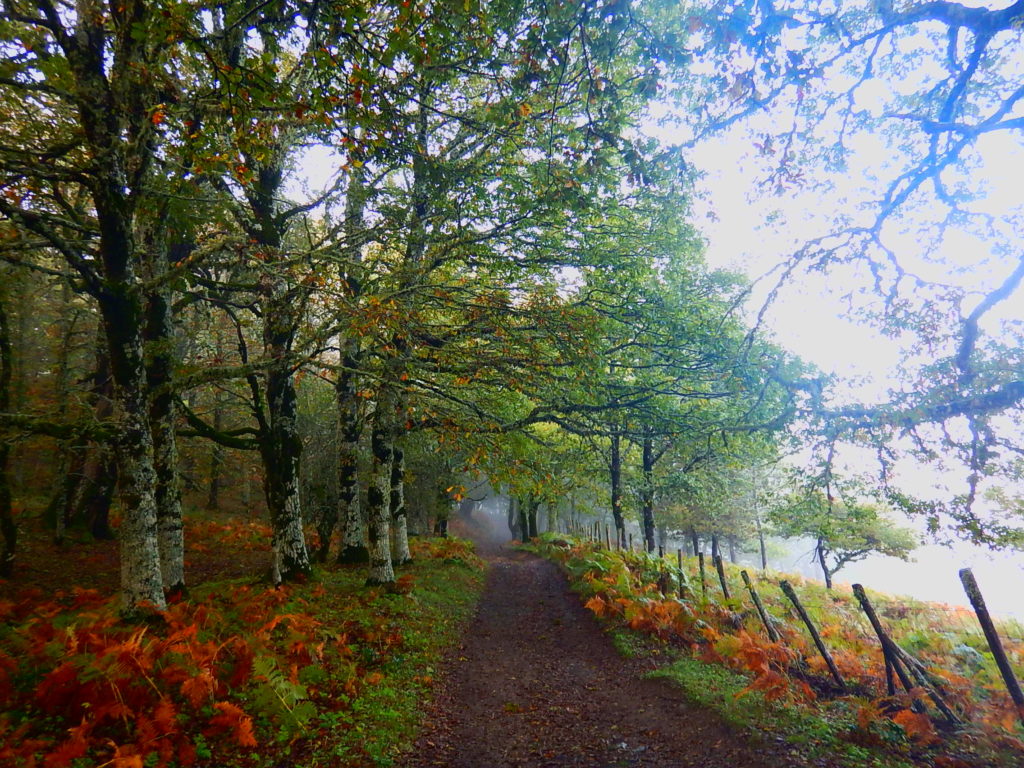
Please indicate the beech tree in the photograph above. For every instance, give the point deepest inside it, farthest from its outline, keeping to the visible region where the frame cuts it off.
(844, 531)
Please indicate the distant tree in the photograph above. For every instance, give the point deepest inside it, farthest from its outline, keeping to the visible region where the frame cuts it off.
(843, 531)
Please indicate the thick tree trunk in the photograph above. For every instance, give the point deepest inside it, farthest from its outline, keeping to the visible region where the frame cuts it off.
(648, 493)
(281, 449)
(141, 579)
(514, 526)
(531, 518)
(615, 472)
(399, 514)
(378, 499)
(162, 413)
(524, 520)
(715, 551)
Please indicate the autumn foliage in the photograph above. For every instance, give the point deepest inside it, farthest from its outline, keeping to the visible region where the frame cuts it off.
(234, 667)
(623, 588)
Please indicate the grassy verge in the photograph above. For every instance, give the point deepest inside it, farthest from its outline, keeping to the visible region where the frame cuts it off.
(239, 675)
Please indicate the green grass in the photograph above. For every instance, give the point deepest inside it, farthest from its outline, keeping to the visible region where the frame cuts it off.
(814, 735)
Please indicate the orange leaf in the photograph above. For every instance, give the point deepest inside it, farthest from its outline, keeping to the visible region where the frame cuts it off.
(917, 726)
(234, 719)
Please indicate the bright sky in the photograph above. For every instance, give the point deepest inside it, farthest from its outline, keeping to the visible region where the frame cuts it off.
(750, 232)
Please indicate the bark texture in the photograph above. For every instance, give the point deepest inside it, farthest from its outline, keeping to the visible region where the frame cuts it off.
(378, 500)
(399, 513)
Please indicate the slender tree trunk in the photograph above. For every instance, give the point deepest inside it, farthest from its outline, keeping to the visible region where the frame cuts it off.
(378, 499)
(820, 551)
(715, 552)
(399, 512)
(615, 472)
(524, 519)
(216, 458)
(732, 549)
(761, 543)
(7, 525)
(648, 493)
(695, 541)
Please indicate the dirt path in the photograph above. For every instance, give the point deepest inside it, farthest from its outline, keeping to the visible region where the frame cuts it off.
(536, 683)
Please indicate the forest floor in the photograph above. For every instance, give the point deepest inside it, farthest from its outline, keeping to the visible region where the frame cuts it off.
(535, 682)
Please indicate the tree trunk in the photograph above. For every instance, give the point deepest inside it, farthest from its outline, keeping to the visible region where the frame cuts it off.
(615, 471)
(378, 499)
(399, 514)
(7, 525)
(531, 518)
(280, 443)
(732, 549)
(714, 546)
(760, 541)
(216, 458)
(141, 578)
(350, 427)
(159, 334)
(820, 551)
(514, 525)
(648, 493)
(695, 541)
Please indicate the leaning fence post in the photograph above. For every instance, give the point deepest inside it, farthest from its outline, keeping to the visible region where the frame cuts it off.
(772, 634)
(788, 590)
(721, 576)
(890, 658)
(996, 646)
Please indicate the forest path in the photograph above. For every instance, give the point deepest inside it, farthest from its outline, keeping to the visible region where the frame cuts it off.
(535, 682)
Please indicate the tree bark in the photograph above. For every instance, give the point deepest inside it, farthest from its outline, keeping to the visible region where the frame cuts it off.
(761, 543)
(615, 472)
(379, 493)
(695, 541)
(514, 525)
(531, 518)
(399, 513)
(7, 525)
(820, 551)
(648, 493)
(216, 458)
(159, 333)
(281, 449)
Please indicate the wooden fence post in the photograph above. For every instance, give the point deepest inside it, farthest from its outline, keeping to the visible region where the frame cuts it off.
(773, 635)
(890, 658)
(787, 589)
(996, 646)
(720, 567)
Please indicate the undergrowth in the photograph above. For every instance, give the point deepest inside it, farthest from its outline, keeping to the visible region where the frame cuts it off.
(723, 659)
(317, 674)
